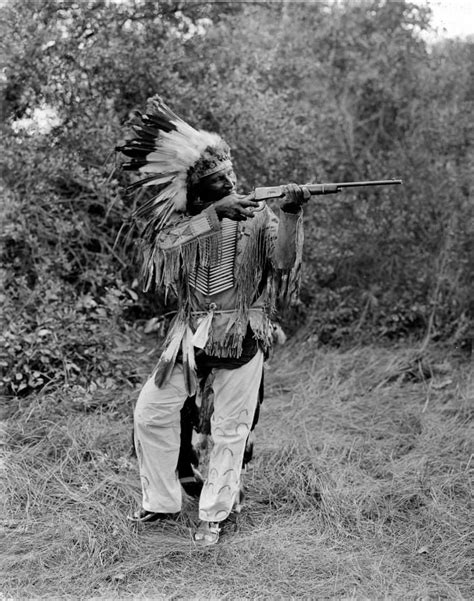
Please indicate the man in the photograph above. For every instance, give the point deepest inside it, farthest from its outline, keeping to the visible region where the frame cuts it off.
(229, 260)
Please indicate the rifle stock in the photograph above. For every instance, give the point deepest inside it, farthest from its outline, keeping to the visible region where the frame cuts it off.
(319, 189)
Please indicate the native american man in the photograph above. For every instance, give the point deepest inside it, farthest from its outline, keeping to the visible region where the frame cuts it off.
(229, 261)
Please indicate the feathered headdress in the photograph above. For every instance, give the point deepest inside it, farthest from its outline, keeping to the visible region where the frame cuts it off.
(173, 156)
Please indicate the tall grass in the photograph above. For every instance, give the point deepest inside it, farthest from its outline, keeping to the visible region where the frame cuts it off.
(359, 489)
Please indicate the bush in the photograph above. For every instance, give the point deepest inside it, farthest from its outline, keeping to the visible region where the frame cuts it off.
(303, 92)
(60, 338)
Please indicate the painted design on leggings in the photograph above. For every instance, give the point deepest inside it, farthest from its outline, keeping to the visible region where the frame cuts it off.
(221, 491)
(210, 486)
(243, 414)
(242, 429)
(218, 431)
(229, 450)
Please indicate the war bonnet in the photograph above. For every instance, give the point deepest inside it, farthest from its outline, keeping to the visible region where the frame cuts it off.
(173, 157)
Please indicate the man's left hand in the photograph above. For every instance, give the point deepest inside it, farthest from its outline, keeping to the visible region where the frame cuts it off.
(294, 198)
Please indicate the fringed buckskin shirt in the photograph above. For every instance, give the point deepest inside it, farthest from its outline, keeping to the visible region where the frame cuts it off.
(226, 278)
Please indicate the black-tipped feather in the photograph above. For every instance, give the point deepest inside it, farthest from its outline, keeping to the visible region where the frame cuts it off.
(140, 143)
(134, 165)
(136, 153)
(158, 121)
(145, 180)
(147, 207)
(146, 133)
(148, 204)
(136, 144)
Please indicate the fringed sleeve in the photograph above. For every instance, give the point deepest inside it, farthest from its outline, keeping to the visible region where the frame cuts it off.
(177, 247)
(187, 229)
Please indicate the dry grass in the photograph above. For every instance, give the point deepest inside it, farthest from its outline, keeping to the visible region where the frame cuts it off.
(359, 490)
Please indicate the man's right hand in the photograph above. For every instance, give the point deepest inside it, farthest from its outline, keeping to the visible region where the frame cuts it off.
(237, 208)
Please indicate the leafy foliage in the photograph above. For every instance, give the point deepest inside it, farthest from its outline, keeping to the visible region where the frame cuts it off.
(59, 337)
(302, 92)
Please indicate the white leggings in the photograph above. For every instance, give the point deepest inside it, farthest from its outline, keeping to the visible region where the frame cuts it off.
(157, 439)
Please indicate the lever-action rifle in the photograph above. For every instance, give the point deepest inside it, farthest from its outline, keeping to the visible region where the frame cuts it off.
(318, 189)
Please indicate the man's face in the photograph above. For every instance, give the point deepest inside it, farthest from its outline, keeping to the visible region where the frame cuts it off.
(216, 186)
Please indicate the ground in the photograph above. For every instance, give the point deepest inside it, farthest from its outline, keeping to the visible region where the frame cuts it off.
(359, 489)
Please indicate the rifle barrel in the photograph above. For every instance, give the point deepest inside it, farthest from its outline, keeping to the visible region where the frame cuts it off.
(318, 189)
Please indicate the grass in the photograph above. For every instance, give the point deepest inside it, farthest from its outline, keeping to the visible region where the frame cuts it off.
(359, 490)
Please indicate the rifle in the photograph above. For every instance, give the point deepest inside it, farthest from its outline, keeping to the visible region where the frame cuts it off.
(318, 189)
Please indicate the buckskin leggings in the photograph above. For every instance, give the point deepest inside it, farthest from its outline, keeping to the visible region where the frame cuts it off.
(157, 439)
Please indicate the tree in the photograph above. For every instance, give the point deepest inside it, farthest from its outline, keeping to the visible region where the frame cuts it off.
(302, 92)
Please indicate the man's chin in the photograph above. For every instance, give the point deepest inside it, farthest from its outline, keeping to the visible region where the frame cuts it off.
(203, 205)
(208, 202)
(197, 207)
(200, 205)
(228, 193)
